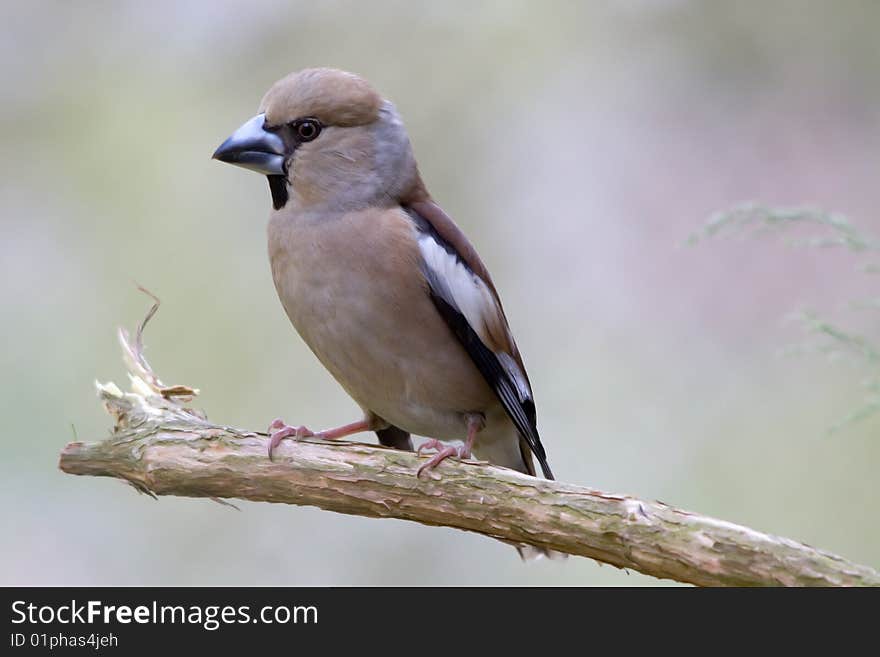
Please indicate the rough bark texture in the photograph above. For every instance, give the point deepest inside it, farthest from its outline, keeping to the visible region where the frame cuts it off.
(162, 447)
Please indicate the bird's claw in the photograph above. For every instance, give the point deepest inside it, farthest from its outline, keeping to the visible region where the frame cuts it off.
(443, 453)
(279, 430)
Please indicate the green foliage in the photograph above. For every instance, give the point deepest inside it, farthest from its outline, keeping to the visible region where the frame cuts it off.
(836, 230)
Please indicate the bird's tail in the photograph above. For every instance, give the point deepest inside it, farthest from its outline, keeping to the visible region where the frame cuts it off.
(519, 459)
(530, 553)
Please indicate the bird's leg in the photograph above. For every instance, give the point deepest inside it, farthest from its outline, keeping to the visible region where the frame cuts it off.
(475, 424)
(278, 431)
(343, 431)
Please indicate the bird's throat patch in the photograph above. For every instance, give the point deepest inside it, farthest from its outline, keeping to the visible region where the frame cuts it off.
(278, 188)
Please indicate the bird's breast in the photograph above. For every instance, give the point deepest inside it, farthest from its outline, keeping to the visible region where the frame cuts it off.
(352, 287)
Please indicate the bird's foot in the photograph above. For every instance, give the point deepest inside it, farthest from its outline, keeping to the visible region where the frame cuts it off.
(443, 453)
(279, 430)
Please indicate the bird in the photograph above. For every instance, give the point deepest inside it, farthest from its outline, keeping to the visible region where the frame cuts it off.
(380, 283)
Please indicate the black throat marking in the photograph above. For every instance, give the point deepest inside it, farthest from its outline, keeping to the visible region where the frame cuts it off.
(278, 188)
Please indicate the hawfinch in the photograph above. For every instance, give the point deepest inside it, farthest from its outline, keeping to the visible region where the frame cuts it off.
(381, 284)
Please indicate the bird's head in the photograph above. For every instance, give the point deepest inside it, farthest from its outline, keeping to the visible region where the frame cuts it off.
(324, 137)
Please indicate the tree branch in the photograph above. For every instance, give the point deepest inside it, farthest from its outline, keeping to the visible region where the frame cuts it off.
(162, 447)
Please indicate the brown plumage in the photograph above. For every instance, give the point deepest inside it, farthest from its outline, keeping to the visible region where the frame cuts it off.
(335, 97)
(380, 283)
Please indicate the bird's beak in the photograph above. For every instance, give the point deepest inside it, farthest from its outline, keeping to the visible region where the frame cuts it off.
(255, 148)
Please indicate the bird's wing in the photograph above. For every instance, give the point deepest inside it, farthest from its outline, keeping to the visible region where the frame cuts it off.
(395, 437)
(464, 295)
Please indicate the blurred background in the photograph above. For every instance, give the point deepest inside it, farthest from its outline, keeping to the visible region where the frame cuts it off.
(577, 144)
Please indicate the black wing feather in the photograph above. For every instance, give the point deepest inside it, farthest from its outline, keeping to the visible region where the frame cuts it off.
(521, 411)
(395, 437)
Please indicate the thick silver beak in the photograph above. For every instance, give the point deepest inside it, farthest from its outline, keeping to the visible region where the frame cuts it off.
(255, 148)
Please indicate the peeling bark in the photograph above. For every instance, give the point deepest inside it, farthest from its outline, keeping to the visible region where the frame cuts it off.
(162, 447)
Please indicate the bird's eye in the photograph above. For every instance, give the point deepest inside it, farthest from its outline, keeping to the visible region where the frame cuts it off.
(307, 129)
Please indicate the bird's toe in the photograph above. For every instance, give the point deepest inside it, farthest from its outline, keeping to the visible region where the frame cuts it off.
(279, 430)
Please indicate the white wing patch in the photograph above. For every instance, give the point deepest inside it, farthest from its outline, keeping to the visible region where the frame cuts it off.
(458, 285)
(467, 292)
